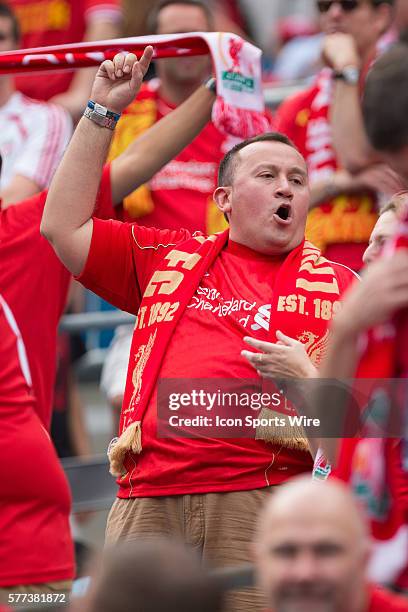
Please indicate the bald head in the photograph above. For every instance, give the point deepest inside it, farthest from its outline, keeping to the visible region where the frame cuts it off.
(306, 501)
(312, 548)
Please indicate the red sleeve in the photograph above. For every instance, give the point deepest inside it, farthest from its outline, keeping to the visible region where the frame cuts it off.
(121, 259)
(104, 208)
(345, 276)
(109, 268)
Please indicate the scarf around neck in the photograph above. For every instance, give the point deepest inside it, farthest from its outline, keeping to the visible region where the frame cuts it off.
(304, 275)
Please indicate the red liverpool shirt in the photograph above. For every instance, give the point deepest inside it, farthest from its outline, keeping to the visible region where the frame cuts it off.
(231, 301)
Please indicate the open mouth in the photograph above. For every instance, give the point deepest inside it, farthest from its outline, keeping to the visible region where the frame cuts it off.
(283, 213)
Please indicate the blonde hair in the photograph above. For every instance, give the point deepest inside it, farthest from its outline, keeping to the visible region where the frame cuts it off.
(397, 204)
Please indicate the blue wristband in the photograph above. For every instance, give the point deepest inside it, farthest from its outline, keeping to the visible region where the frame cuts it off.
(101, 115)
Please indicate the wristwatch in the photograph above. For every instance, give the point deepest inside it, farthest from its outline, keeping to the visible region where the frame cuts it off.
(101, 115)
(349, 74)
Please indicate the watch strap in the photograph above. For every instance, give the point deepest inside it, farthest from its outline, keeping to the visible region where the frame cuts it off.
(101, 115)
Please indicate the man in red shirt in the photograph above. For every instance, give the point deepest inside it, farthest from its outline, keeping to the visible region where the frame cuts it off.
(312, 549)
(344, 206)
(35, 285)
(196, 297)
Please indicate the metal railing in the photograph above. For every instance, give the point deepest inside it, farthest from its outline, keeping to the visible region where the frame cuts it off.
(92, 486)
(86, 321)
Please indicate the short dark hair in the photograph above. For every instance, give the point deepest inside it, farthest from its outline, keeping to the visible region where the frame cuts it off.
(6, 11)
(153, 576)
(152, 21)
(230, 161)
(385, 100)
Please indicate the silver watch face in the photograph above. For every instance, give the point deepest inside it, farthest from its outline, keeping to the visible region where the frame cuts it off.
(351, 74)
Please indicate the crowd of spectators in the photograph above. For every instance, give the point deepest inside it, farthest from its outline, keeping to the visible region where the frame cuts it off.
(323, 521)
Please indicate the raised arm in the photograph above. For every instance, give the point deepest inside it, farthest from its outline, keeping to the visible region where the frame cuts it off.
(67, 219)
(160, 144)
(349, 137)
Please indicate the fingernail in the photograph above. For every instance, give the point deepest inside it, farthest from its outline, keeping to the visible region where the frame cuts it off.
(126, 69)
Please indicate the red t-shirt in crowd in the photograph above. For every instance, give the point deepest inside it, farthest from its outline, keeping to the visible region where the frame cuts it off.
(340, 228)
(35, 284)
(232, 300)
(35, 539)
(56, 22)
(382, 600)
(180, 194)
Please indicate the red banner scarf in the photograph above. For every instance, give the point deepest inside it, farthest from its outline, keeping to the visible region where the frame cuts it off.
(239, 109)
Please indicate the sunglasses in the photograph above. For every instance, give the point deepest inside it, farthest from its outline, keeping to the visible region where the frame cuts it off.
(346, 5)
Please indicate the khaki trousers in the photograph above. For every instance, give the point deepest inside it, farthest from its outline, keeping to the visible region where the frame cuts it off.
(220, 526)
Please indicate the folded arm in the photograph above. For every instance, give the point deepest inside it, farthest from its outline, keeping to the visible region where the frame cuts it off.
(349, 137)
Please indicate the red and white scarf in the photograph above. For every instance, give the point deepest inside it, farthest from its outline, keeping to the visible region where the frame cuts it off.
(239, 109)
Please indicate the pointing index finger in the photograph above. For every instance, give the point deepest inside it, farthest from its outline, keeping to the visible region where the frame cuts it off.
(146, 59)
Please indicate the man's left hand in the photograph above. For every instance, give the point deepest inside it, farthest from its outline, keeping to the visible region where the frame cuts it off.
(286, 358)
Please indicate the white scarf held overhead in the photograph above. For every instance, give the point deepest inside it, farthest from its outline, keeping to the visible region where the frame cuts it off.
(239, 109)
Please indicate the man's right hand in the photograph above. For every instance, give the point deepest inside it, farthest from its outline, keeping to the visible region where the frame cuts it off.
(118, 81)
(339, 50)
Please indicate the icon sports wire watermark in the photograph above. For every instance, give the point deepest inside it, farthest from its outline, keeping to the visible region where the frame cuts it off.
(237, 408)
